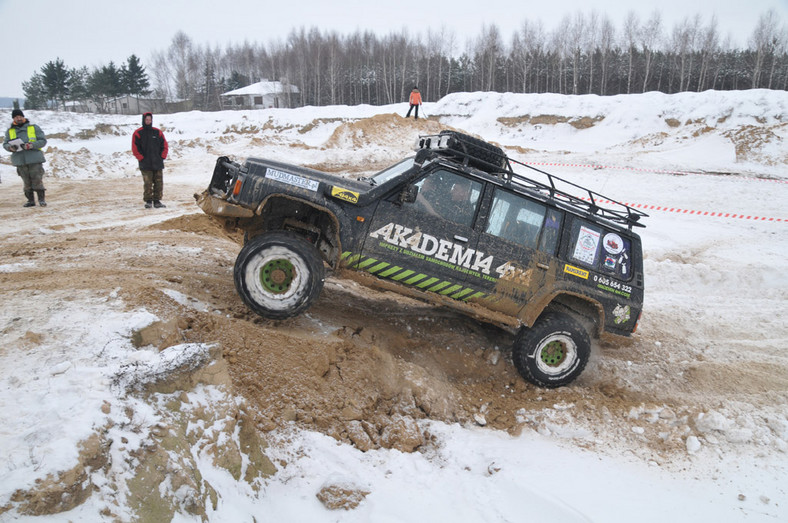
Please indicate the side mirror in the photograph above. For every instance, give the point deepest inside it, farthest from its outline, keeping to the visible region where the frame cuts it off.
(408, 194)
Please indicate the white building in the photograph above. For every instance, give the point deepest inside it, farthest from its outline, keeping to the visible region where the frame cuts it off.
(262, 95)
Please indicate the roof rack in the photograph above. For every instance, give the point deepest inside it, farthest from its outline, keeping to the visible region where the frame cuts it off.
(557, 188)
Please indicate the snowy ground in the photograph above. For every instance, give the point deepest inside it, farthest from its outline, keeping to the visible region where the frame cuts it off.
(706, 440)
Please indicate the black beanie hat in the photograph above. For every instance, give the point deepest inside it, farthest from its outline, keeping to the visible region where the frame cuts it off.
(17, 112)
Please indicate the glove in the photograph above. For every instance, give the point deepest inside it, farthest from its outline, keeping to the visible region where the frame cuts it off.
(28, 146)
(14, 148)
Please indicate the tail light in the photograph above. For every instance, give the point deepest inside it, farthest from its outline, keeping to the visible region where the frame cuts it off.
(237, 188)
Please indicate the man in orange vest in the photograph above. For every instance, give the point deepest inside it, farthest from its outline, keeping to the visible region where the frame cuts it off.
(415, 101)
(24, 141)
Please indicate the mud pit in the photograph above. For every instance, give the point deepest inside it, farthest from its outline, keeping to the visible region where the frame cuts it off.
(363, 365)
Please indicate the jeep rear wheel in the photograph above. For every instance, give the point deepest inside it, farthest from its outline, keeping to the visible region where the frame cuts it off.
(553, 352)
(278, 275)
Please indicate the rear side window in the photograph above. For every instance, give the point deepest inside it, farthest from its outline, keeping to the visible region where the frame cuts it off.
(523, 221)
(600, 249)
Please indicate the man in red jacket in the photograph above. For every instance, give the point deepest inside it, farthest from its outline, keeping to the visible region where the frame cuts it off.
(415, 101)
(150, 149)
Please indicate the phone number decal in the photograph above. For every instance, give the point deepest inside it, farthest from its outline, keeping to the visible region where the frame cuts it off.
(606, 284)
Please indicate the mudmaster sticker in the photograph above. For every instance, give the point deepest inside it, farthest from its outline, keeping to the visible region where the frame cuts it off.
(292, 179)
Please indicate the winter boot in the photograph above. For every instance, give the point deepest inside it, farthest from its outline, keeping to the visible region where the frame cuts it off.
(30, 201)
(41, 201)
(148, 204)
(158, 204)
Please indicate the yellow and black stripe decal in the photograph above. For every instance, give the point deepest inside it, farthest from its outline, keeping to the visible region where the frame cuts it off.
(344, 194)
(411, 278)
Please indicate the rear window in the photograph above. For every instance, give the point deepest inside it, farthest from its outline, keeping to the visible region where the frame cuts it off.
(600, 249)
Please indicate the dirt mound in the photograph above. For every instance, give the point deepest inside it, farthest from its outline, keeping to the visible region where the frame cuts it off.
(583, 122)
(84, 163)
(200, 224)
(753, 142)
(382, 129)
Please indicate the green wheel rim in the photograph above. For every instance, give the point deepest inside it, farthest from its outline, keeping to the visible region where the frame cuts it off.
(553, 354)
(277, 275)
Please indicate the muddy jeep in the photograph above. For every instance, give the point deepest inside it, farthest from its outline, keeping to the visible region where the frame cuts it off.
(455, 225)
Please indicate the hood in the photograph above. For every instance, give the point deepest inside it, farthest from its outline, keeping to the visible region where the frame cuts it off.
(146, 114)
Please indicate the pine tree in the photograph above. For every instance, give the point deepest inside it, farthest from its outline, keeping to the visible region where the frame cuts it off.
(35, 92)
(135, 79)
(55, 78)
(210, 89)
(78, 83)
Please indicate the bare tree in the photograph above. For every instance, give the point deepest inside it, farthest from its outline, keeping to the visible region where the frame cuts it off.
(180, 56)
(527, 48)
(590, 44)
(488, 50)
(683, 42)
(607, 38)
(709, 49)
(650, 36)
(575, 40)
(763, 41)
(162, 76)
(631, 30)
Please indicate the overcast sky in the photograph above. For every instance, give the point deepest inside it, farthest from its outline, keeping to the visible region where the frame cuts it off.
(94, 32)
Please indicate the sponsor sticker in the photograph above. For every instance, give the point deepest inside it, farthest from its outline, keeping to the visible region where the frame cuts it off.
(585, 248)
(621, 314)
(292, 179)
(613, 243)
(576, 271)
(343, 194)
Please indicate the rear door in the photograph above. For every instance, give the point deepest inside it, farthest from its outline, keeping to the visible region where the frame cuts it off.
(428, 243)
(523, 235)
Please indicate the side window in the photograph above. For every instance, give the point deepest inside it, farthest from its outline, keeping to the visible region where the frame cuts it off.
(449, 196)
(517, 219)
(600, 249)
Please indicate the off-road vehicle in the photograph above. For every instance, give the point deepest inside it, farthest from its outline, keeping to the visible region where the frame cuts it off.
(553, 262)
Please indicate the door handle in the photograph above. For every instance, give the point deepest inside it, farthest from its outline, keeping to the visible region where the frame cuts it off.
(462, 239)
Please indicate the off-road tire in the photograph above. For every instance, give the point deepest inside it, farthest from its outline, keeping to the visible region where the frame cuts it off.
(553, 352)
(278, 274)
(480, 153)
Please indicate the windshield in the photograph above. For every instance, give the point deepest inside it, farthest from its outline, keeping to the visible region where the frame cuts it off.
(392, 172)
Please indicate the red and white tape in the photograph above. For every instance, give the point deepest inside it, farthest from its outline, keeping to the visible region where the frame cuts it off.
(690, 211)
(657, 171)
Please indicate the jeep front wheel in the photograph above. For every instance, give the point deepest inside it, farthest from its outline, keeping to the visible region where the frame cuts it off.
(278, 275)
(553, 352)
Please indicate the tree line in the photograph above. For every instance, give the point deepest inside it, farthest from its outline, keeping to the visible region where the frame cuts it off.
(56, 84)
(584, 54)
